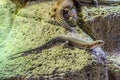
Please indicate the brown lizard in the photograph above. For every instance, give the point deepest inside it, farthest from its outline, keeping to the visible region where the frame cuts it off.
(72, 40)
(58, 13)
(60, 8)
(70, 16)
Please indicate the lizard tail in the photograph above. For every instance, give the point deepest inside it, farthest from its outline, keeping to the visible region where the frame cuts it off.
(49, 44)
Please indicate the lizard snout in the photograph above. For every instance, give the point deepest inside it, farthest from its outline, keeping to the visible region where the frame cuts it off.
(100, 42)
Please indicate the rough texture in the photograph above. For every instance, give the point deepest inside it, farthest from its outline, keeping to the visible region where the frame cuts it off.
(114, 67)
(103, 23)
(31, 27)
(7, 13)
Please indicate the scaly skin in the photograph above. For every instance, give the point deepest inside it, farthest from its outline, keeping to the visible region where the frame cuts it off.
(74, 41)
(77, 42)
(72, 20)
(70, 16)
(59, 14)
(62, 5)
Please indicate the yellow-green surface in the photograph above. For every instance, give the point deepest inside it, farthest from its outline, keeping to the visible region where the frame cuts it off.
(7, 14)
(101, 11)
(30, 29)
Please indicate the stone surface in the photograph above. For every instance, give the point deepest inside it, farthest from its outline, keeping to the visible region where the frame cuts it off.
(103, 23)
(31, 28)
(7, 14)
(114, 67)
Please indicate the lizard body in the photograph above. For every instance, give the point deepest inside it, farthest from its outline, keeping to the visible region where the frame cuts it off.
(70, 16)
(59, 14)
(77, 42)
(61, 5)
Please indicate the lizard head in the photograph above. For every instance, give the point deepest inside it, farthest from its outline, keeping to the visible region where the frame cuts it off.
(73, 17)
(97, 43)
(70, 16)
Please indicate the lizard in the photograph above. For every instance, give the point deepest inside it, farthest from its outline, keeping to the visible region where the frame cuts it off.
(72, 40)
(58, 13)
(70, 16)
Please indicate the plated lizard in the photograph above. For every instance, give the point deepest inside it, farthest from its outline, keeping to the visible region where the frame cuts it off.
(58, 13)
(60, 8)
(70, 16)
(74, 41)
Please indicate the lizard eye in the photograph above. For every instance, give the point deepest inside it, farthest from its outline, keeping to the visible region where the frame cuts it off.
(100, 42)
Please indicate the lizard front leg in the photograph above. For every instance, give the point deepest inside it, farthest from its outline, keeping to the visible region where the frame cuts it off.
(71, 16)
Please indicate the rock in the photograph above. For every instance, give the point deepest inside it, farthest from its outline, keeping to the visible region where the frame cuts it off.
(103, 23)
(31, 28)
(114, 67)
(7, 14)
